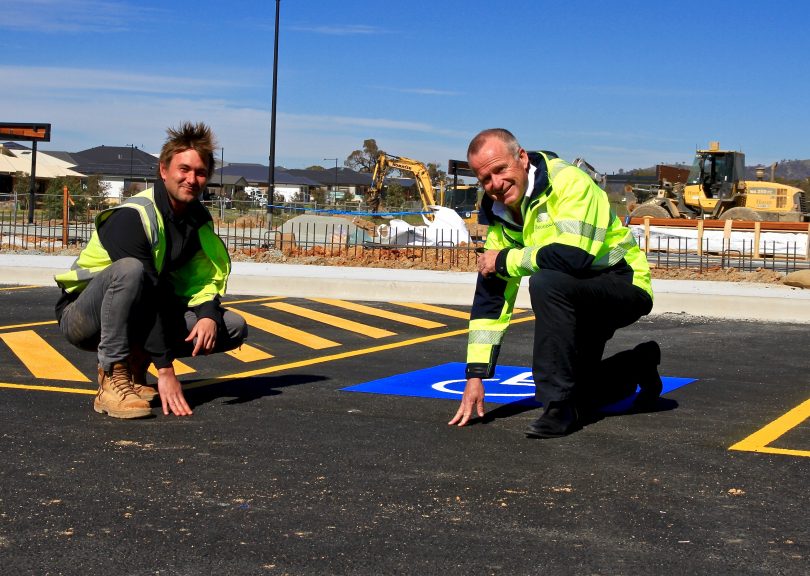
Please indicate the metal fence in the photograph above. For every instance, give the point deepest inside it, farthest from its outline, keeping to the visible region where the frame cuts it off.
(355, 243)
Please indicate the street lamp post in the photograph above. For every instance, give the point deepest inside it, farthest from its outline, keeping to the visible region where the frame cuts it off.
(334, 188)
(271, 186)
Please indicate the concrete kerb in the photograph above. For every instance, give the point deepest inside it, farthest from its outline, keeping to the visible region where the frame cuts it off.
(746, 301)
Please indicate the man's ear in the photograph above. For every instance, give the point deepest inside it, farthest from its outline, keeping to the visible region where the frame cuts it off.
(162, 171)
(523, 157)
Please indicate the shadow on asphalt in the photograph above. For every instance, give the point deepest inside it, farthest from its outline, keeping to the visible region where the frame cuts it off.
(248, 389)
(516, 408)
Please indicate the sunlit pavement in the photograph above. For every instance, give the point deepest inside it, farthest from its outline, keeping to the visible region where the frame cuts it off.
(282, 471)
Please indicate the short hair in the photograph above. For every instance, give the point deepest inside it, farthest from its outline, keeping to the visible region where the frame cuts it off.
(502, 134)
(188, 136)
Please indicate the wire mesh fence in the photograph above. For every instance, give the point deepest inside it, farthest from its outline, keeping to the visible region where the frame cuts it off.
(361, 242)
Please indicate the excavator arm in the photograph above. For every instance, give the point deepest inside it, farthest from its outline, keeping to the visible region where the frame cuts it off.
(420, 174)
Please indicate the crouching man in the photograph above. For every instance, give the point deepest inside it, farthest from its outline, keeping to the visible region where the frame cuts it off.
(146, 288)
(587, 278)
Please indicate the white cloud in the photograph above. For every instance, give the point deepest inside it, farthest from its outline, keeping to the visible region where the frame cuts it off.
(341, 30)
(27, 80)
(72, 16)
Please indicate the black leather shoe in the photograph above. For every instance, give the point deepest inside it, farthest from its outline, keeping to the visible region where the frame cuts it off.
(649, 357)
(558, 419)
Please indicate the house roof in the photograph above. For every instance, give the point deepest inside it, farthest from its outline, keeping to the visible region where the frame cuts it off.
(345, 176)
(226, 180)
(121, 161)
(259, 174)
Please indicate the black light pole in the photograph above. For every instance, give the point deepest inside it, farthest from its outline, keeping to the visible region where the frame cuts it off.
(131, 176)
(271, 178)
(334, 190)
(33, 184)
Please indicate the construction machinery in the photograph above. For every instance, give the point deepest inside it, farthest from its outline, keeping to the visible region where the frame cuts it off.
(716, 188)
(420, 175)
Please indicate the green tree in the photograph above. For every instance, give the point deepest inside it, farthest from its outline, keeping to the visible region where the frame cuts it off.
(365, 159)
(78, 205)
(96, 190)
(319, 195)
(395, 195)
(316, 167)
(437, 175)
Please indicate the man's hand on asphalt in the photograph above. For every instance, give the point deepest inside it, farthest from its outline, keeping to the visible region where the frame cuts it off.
(473, 399)
(205, 331)
(171, 393)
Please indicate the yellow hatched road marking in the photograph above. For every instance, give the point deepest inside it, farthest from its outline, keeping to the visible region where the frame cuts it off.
(435, 309)
(287, 332)
(759, 440)
(248, 353)
(251, 300)
(41, 359)
(277, 368)
(331, 320)
(179, 369)
(379, 313)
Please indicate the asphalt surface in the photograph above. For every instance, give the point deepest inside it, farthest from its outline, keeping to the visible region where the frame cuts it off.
(280, 471)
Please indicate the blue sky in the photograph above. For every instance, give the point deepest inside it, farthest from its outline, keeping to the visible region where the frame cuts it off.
(623, 84)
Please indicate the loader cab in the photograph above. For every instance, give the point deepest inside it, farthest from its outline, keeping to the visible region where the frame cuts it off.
(717, 172)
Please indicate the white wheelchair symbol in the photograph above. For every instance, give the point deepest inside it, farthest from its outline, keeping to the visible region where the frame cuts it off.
(522, 379)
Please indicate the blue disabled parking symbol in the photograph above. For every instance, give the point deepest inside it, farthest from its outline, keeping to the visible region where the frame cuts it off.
(509, 384)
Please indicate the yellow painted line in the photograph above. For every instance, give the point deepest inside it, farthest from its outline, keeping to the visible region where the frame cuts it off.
(783, 451)
(250, 300)
(248, 353)
(442, 311)
(27, 325)
(759, 440)
(47, 388)
(41, 359)
(287, 332)
(17, 287)
(331, 320)
(333, 357)
(179, 369)
(377, 312)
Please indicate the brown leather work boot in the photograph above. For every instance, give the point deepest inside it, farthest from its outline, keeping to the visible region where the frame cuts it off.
(138, 365)
(116, 396)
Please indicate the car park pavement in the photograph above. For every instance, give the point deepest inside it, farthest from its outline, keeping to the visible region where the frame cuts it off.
(284, 470)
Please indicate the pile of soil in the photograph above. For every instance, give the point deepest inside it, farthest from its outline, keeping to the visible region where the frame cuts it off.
(464, 261)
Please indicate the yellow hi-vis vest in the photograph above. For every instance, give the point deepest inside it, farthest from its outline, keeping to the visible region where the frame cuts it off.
(199, 280)
(572, 211)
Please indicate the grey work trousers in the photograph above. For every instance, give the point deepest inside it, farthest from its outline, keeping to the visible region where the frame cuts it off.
(110, 317)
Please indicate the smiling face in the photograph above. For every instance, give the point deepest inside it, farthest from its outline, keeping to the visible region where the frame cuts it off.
(504, 176)
(185, 178)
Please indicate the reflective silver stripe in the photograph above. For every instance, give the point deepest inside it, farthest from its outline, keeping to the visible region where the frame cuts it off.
(151, 215)
(616, 253)
(555, 166)
(579, 228)
(527, 261)
(491, 337)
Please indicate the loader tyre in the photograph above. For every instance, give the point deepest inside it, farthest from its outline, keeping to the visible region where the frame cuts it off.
(651, 210)
(741, 213)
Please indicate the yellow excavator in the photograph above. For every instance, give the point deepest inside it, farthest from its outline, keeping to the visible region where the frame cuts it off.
(420, 175)
(716, 188)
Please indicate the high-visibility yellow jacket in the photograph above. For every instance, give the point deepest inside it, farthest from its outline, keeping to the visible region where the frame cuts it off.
(199, 280)
(568, 225)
